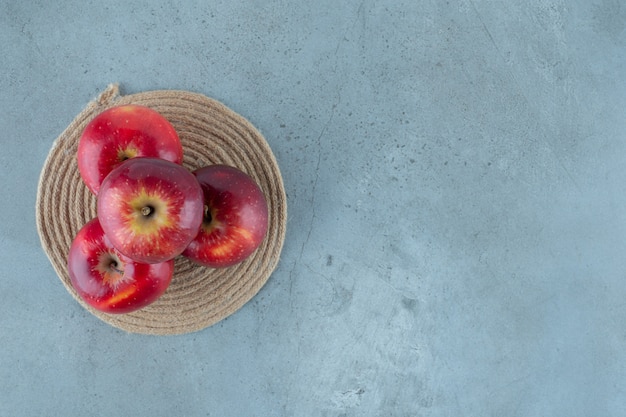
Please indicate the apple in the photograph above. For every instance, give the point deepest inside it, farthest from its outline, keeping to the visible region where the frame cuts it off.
(109, 281)
(121, 133)
(235, 217)
(151, 209)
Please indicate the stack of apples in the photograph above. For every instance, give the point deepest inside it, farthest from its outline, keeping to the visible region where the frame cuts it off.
(151, 209)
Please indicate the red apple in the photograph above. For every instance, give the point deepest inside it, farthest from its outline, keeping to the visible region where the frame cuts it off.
(109, 281)
(150, 208)
(235, 218)
(121, 133)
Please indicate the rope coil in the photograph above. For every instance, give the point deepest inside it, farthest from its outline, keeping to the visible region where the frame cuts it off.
(210, 133)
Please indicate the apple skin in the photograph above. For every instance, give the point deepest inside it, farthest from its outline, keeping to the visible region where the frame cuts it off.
(235, 221)
(107, 280)
(150, 209)
(120, 133)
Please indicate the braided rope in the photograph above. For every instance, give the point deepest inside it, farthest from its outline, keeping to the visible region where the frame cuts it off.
(210, 133)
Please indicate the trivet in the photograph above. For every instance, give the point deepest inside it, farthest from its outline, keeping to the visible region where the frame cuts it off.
(210, 133)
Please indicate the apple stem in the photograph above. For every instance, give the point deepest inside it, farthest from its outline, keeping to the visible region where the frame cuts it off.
(113, 266)
(207, 214)
(146, 211)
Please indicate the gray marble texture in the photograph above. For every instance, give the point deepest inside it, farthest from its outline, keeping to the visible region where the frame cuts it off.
(456, 180)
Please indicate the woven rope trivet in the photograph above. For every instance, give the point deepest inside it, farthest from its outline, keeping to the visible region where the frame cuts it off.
(210, 133)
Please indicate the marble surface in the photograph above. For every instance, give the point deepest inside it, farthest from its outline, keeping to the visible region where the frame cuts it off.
(456, 182)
